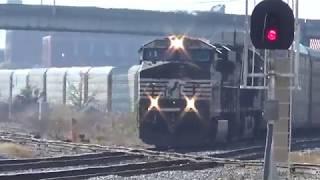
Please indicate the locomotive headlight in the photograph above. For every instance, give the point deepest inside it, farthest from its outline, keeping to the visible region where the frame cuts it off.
(176, 42)
(154, 103)
(190, 104)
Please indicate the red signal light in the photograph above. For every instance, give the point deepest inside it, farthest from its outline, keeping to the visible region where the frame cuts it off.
(272, 35)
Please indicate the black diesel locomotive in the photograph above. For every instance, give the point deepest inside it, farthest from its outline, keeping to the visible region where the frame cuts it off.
(189, 94)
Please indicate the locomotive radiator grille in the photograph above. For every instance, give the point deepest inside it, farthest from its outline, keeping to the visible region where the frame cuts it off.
(175, 88)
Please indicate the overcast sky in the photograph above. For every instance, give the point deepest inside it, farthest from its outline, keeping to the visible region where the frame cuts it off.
(308, 8)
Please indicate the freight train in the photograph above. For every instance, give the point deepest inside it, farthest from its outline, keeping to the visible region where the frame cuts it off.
(103, 88)
(189, 93)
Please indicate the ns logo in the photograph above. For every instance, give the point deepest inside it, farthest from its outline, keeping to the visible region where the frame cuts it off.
(174, 89)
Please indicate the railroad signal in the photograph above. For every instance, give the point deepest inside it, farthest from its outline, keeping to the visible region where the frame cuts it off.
(272, 25)
(272, 35)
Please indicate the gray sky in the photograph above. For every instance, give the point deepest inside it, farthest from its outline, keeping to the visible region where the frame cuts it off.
(308, 8)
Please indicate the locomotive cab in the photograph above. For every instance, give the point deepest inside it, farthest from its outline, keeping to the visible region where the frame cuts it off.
(175, 91)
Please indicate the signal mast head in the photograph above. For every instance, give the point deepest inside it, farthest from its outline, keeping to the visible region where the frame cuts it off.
(272, 25)
(272, 35)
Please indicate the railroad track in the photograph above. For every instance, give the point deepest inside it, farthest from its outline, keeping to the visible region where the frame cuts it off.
(124, 161)
(296, 169)
(310, 169)
(30, 139)
(104, 164)
(246, 153)
(104, 161)
(250, 153)
(257, 151)
(53, 144)
(123, 169)
(112, 161)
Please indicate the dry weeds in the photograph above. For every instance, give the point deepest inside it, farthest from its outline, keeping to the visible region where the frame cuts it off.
(305, 157)
(58, 123)
(67, 123)
(98, 128)
(15, 150)
(109, 129)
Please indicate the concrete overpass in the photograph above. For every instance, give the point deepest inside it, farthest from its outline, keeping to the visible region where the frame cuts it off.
(310, 29)
(114, 26)
(123, 21)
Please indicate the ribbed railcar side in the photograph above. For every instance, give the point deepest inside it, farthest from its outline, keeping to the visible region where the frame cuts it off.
(99, 90)
(5, 85)
(6, 93)
(120, 89)
(315, 88)
(301, 96)
(75, 85)
(133, 87)
(19, 81)
(56, 85)
(37, 79)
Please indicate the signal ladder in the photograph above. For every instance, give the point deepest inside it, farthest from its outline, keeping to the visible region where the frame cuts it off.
(282, 65)
(254, 72)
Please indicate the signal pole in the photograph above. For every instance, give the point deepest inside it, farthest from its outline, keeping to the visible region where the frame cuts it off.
(294, 70)
(268, 148)
(271, 115)
(273, 28)
(270, 123)
(246, 46)
(297, 44)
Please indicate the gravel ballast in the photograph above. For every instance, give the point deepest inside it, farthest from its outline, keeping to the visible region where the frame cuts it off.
(220, 173)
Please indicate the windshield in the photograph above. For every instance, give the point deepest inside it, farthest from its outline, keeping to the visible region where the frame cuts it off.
(194, 55)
